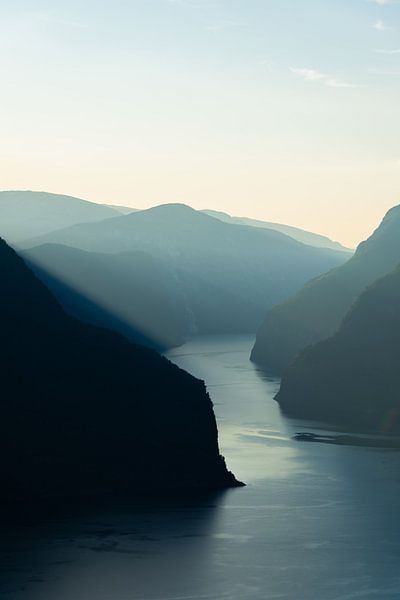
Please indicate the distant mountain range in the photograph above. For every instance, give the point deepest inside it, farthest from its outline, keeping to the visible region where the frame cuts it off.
(221, 277)
(305, 237)
(86, 415)
(24, 214)
(316, 311)
(123, 210)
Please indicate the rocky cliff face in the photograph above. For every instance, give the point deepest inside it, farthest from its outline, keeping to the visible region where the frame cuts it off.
(353, 378)
(316, 312)
(85, 413)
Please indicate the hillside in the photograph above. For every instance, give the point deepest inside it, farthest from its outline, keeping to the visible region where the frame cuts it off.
(227, 274)
(130, 293)
(353, 378)
(305, 237)
(25, 214)
(316, 312)
(85, 414)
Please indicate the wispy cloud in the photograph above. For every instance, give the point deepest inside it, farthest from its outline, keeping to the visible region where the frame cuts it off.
(384, 2)
(309, 74)
(380, 25)
(390, 72)
(312, 75)
(339, 84)
(390, 52)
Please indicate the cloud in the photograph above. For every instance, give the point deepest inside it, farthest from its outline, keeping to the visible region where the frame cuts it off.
(312, 75)
(384, 2)
(380, 25)
(390, 72)
(390, 52)
(308, 74)
(339, 84)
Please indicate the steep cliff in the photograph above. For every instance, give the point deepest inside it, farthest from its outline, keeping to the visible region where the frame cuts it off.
(353, 378)
(85, 413)
(316, 312)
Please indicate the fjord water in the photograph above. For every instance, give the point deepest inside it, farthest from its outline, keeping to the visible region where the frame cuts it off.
(315, 522)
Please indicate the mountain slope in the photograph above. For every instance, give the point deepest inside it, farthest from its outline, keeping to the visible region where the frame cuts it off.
(84, 413)
(226, 273)
(305, 237)
(123, 210)
(316, 312)
(353, 378)
(25, 214)
(130, 293)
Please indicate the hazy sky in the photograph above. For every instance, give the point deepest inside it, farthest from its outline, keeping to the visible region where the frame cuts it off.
(287, 110)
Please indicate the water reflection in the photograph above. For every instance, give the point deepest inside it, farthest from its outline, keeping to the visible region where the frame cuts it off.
(316, 521)
(115, 555)
(254, 436)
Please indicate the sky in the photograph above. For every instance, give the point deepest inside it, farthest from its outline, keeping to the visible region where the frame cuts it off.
(283, 110)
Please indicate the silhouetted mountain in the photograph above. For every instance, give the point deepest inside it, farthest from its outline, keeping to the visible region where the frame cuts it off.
(85, 413)
(305, 237)
(353, 378)
(123, 210)
(227, 274)
(25, 214)
(130, 293)
(316, 312)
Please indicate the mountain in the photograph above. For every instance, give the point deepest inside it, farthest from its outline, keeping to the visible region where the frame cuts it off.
(316, 312)
(86, 414)
(123, 210)
(305, 237)
(130, 292)
(26, 214)
(226, 274)
(353, 378)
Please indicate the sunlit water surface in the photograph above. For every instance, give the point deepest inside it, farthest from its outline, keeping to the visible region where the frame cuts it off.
(315, 522)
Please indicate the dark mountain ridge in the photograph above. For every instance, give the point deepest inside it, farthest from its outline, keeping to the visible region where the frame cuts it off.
(86, 414)
(353, 378)
(317, 310)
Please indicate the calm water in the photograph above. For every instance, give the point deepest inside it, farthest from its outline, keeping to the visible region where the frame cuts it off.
(316, 522)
